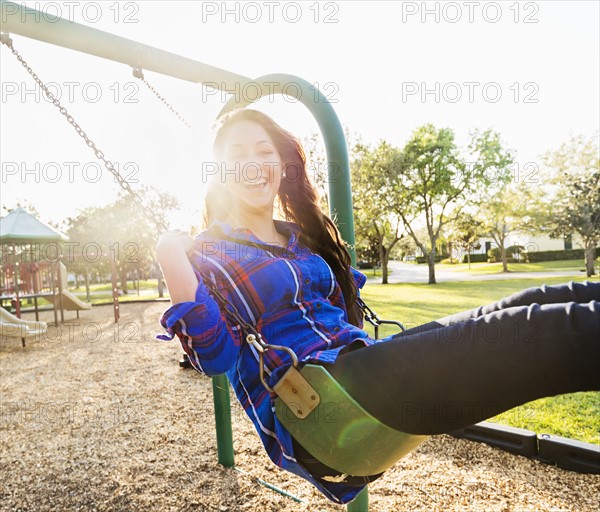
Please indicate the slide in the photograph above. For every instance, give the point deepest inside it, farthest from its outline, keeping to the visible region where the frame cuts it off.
(15, 327)
(70, 302)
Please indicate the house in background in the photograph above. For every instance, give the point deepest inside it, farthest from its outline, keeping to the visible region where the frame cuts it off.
(531, 242)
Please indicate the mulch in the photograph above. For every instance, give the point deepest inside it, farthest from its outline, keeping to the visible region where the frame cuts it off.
(98, 416)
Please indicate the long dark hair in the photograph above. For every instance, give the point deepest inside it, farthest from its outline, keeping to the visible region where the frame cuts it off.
(298, 202)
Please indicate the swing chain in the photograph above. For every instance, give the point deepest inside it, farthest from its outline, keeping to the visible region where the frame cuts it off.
(6, 40)
(138, 73)
(253, 337)
(373, 319)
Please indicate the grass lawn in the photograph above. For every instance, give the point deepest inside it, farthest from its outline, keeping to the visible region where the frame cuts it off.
(107, 287)
(102, 293)
(576, 415)
(494, 268)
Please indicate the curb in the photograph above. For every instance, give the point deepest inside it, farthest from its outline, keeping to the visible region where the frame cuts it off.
(550, 449)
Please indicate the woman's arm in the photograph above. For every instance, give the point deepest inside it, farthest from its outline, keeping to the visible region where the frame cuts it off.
(171, 251)
(194, 316)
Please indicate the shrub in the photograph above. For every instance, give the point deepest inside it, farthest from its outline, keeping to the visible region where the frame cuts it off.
(519, 250)
(475, 258)
(568, 254)
(494, 255)
(422, 259)
(449, 261)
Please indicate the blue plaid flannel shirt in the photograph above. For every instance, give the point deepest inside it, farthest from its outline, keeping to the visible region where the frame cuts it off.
(291, 296)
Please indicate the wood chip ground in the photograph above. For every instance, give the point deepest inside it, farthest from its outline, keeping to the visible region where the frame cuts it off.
(99, 417)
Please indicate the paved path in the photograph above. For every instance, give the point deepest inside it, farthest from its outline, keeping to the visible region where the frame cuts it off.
(411, 273)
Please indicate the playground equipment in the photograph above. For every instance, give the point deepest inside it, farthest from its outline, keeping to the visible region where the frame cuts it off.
(31, 267)
(26, 270)
(12, 326)
(64, 299)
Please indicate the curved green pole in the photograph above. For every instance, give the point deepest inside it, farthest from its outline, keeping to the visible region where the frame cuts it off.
(338, 167)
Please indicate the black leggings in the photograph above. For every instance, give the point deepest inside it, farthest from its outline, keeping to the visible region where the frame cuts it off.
(464, 368)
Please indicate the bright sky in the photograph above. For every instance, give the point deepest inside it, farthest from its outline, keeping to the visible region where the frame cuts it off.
(527, 69)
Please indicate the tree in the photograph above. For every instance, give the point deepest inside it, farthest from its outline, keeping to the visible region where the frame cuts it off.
(120, 230)
(25, 204)
(434, 181)
(406, 247)
(318, 168)
(375, 201)
(377, 225)
(575, 207)
(465, 234)
(512, 209)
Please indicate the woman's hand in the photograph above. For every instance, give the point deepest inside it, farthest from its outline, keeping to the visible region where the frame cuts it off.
(171, 250)
(173, 242)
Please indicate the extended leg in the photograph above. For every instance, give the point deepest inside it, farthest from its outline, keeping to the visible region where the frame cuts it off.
(452, 376)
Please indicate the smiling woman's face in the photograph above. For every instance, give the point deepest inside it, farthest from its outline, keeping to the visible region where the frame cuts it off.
(251, 167)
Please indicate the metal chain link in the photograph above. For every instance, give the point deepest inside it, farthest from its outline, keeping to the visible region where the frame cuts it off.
(6, 40)
(138, 73)
(373, 319)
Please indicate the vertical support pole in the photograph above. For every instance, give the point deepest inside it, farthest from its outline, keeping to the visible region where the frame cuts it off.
(223, 420)
(17, 299)
(360, 503)
(54, 295)
(115, 288)
(60, 289)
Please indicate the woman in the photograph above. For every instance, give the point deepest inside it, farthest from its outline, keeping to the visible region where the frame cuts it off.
(293, 281)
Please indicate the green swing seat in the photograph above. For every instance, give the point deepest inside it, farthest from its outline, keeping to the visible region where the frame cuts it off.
(334, 428)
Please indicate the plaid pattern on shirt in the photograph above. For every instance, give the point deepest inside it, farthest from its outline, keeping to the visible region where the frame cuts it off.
(291, 297)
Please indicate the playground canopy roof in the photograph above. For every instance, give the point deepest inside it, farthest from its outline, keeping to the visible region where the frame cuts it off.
(20, 226)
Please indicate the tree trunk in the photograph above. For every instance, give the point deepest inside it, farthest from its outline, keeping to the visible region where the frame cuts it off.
(124, 281)
(431, 265)
(590, 257)
(384, 268)
(161, 289)
(503, 256)
(384, 263)
(86, 278)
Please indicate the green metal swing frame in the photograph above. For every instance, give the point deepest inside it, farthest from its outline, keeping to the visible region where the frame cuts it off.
(356, 424)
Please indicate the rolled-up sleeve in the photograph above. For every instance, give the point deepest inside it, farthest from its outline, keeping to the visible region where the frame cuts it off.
(211, 344)
(359, 278)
